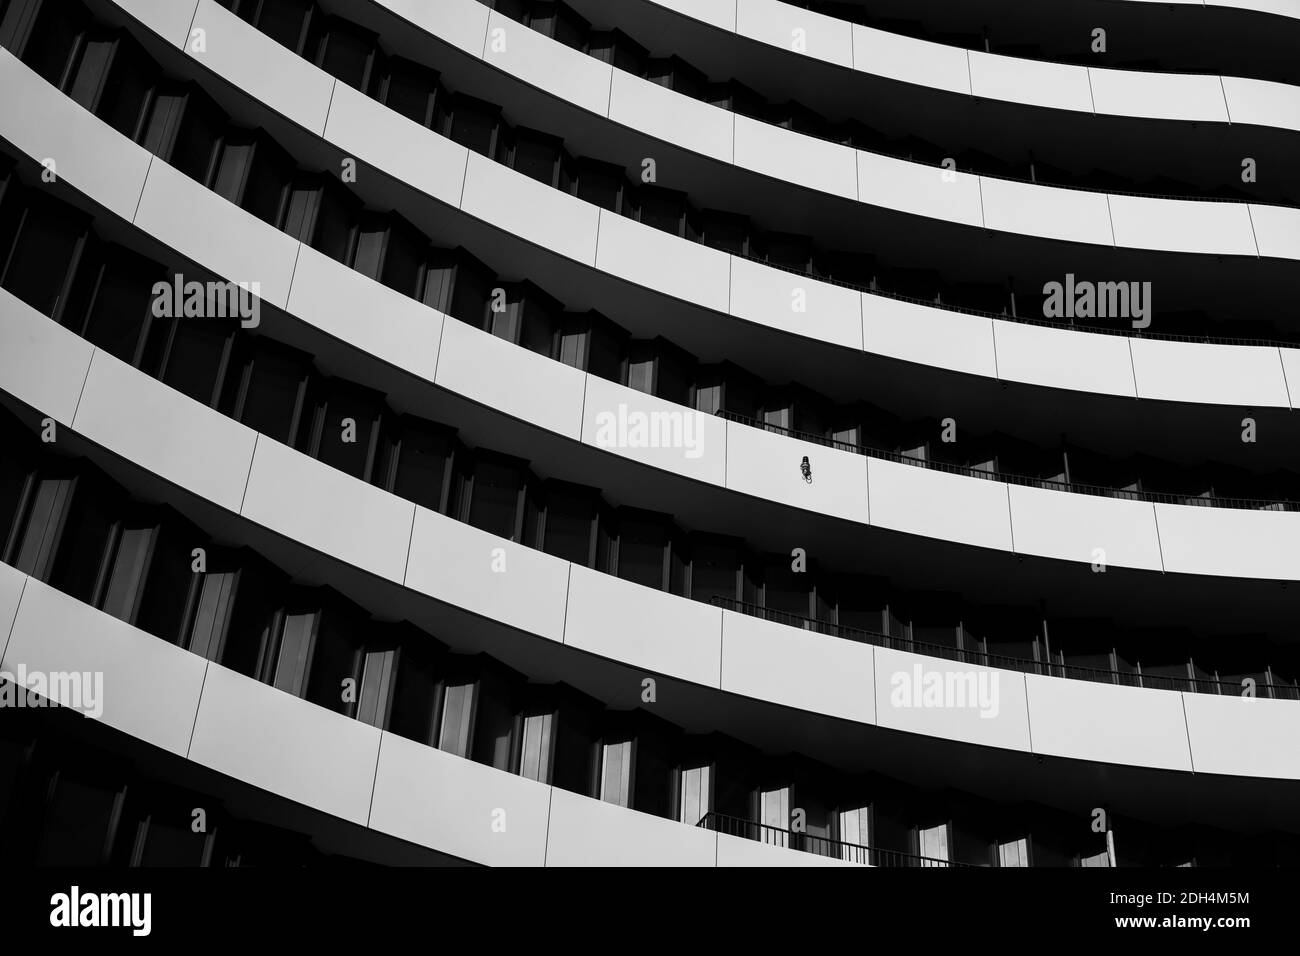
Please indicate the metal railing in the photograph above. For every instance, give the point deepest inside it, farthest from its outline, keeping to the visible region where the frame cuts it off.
(1020, 319)
(1073, 487)
(1265, 685)
(816, 845)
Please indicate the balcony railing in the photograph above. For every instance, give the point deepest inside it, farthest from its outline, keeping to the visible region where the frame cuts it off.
(1074, 487)
(817, 845)
(966, 655)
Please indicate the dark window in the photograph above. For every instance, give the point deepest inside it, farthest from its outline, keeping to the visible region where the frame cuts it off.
(129, 559)
(271, 392)
(540, 318)
(388, 252)
(537, 156)
(419, 462)
(475, 125)
(494, 724)
(570, 521)
(558, 22)
(194, 357)
(213, 606)
(785, 589)
(348, 424)
(40, 526)
(193, 135)
(466, 287)
(90, 71)
(234, 162)
(495, 502)
(642, 550)
(725, 231)
(287, 659)
(601, 184)
(112, 78)
(253, 173)
(80, 823)
(81, 549)
(334, 661)
(335, 220)
(45, 255)
(714, 570)
(268, 181)
(673, 374)
(347, 53)
(120, 306)
(402, 260)
(301, 210)
(414, 710)
(163, 842)
(605, 349)
(43, 33)
(285, 21)
(411, 90)
(664, 209)
(616, 48)
(368, 259)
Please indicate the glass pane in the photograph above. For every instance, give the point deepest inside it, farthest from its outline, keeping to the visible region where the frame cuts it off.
(43, 254)
(370, 252)
(573, 349)
(568, 529)
(271, 402)
(457, 714)
(295, 653)
(44, 526)
(641, 553)
(376, 687)
(126, 579)
(1014, 853)
(90, 72)
(195, 359)
(934, 843)
(212, 616)
(616, 773)
(640, 375)
(535, 756)
(695, 791)
(118, 312)
(421, 467)
(496, 499)
(232, 170)
(774, 814)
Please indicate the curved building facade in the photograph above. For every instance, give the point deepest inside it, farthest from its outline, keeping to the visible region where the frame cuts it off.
(649, 432)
